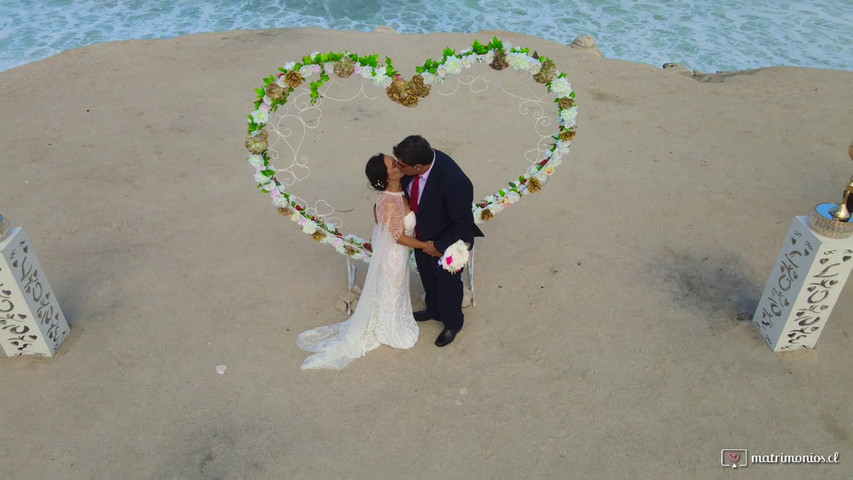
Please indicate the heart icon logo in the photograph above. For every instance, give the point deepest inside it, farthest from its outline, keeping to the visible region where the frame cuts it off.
(304, 84)
(734, 456)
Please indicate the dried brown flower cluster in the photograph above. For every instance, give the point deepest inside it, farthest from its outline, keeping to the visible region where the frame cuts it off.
(418, 87)
(407, 93)
(319, 235)
(567, 135)
(397, 90)
(350, 251)
(499, 62)
(533, 185)
(294, 79)
(276, 92)
(546, 73)
(285, 211)
(258, 143)
(487, 215)
(344, 67)
(566, 102)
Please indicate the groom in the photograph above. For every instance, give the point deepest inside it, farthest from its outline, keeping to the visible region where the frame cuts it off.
(440, 194)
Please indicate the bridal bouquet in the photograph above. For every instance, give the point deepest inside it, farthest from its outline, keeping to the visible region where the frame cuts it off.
(455, 257)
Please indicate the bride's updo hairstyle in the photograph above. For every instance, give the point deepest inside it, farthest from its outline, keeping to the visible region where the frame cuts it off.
(377, 173)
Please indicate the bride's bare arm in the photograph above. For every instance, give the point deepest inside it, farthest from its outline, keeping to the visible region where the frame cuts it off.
(411, 242)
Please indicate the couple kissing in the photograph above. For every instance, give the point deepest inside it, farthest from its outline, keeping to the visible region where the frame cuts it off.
(424, 203)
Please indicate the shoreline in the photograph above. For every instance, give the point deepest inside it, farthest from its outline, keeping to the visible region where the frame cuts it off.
(681, 67)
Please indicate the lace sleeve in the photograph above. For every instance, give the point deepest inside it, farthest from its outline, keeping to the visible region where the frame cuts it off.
(390, 212)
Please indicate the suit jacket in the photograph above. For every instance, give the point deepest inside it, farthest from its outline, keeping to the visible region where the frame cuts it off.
(444, 212)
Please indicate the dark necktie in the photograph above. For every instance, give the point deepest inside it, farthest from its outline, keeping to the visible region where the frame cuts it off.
(416, 190)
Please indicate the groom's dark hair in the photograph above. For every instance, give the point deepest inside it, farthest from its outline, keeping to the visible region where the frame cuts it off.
(414, 150)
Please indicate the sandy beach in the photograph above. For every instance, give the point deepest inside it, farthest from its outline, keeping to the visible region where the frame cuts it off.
(612, 336)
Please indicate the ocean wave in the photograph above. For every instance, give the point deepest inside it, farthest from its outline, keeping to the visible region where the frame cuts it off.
(705, 35)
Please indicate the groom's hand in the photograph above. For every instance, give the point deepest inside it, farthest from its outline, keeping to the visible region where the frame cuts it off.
(431, 250)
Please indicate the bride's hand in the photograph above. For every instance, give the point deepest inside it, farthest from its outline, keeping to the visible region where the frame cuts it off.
(430, 249)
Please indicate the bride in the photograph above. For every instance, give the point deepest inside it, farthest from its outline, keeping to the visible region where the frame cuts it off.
(384, 311)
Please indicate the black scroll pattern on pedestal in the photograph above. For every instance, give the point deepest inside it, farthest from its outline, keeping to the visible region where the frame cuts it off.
(788, 273)
(47, 311)
(12, 324)
(819, 288)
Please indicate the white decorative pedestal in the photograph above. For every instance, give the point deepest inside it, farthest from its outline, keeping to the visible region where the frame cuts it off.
(805, 283)
(31, 322)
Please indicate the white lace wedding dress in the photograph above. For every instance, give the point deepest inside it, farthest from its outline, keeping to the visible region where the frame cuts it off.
(383, 315)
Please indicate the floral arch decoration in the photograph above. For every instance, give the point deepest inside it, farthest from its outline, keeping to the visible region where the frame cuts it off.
(288, 87)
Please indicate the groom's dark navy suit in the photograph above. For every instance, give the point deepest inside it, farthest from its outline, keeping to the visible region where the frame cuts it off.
(444, 216)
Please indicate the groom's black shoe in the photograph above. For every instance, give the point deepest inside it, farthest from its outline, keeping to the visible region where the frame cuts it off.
(423, 316)
(446, 337)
